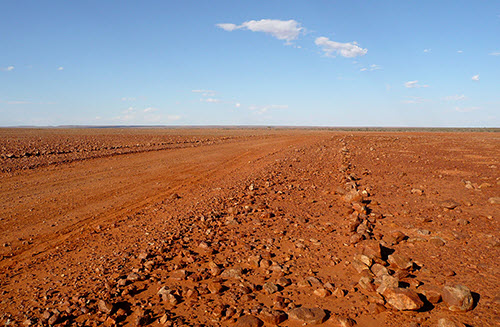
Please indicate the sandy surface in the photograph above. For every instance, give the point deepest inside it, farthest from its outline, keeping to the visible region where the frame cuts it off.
(179, 227)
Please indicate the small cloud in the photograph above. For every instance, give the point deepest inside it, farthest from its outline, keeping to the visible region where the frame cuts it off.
(150, 109)
(128, 99)
(427, 50)
(495, 53)
(17, 102)
(287, 30)
(460, 51)
(173, 117)
(475, 77)
(348, 50)
(205, 93)
(466, 109)
(60, 68)
(413, 84)
(228, 27)
(455, 97)
(263, 109)
(129, 110)
(414, 100)
(210, 100)
(8, 69)
(371, 68)
(237, 104)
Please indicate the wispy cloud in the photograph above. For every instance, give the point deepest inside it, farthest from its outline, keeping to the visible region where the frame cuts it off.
(60, 68)
(495, 53)
(210, 100)
(466, 109)
(149, 115)
(427, 50)
(460, 51)
(456, 97)
(266, 108)
(348, 50)
(475, 77)
(128, 99)
(205, 93)
(287, 30)
(7, 69)
(371, 68)
(414, 100)
(413, 84)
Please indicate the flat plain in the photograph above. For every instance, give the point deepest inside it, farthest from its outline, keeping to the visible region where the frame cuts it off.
(249, 227)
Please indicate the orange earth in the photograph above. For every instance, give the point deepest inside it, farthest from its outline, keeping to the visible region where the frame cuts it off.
(248, 227)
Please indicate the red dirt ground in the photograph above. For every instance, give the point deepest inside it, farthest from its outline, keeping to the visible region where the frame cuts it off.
(97, 224)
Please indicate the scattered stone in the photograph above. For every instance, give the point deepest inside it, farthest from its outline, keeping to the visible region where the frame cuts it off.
(346, 322)
(339, 292)
(308, 315)
(432, 294)
(215, 288)
(402, 298)
(375, 308)
(397, 236)
(356, 238)
(446, 322)
(400, 261)
(283, 281)
(437, 241)
(494, 200)
(386, 281)
(178, 274)
(379, 270)
(321, 292)
(417, 191)
(232, 273)
(448, 272)
(273, 317)
(366, 282)
(105, 307)
(270, 288)
(249, 321)
(457, 298)
(449, 204)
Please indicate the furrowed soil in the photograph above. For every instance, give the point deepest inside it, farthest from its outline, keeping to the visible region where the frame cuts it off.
(248, 227)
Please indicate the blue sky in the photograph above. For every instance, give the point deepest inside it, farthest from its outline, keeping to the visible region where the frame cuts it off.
(313, 63)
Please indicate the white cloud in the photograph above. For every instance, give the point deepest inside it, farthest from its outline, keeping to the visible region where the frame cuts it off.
(348, 50)
(466, 109)
(237, 104)
(128, 99)
(228, 27)
(202, 91)
(264, 109)
(371, 68)
(495, 53)
(414, 100)
(427, 50)
(455, 97)
(205, 93)
(173, 117)
(460, 51)
(287, 30)
(210, 100)
(475, 77)
(150, 109)
(8, 69)
(60, 68)
(414, 84)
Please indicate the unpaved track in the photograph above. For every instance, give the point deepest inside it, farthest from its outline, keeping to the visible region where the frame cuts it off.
(52, 203)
